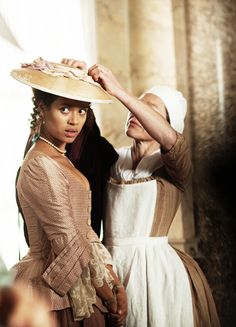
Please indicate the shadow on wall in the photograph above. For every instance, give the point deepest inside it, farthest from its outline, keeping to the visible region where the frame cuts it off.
(223, 179)
(216, 223)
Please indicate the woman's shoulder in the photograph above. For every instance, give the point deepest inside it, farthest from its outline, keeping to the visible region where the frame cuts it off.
(39, 163)
(41, 172)
(37, 158)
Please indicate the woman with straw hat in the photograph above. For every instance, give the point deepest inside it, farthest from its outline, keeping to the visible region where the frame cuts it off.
(66, 262)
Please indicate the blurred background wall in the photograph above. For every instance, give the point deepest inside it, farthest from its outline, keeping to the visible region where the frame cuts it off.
(187, 44)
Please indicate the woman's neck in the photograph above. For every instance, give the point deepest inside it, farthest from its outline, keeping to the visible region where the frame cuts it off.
(46, 136)
(140, 149)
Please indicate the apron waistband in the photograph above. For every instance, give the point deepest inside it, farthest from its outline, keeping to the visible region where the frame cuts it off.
(135, 240)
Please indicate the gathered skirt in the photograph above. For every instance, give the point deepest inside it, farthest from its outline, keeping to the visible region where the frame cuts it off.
(64, 318)
(165, 287)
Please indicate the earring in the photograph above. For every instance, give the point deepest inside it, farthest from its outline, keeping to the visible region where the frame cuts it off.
(41, 120)
(35, 137)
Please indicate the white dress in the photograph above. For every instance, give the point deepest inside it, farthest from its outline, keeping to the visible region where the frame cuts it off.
(156, 281)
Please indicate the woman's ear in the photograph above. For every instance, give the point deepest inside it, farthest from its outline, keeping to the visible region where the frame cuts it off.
(42, 110)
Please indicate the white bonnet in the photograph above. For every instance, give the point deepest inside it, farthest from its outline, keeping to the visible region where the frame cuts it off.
(175, 103)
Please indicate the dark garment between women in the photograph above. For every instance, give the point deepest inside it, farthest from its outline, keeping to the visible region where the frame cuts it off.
(93, 157)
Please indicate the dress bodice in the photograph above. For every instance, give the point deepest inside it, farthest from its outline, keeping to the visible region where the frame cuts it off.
(65, 253)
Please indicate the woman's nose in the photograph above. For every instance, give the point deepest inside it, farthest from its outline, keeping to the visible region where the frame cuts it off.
(73, 119)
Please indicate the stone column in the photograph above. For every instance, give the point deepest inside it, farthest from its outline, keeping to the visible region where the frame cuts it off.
(152, 53)
(112, 23)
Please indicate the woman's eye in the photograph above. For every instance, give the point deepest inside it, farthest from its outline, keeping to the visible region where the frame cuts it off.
(65, 110)
(83, 111)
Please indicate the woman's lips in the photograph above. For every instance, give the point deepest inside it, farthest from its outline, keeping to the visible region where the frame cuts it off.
(133, 123)
(71, 133)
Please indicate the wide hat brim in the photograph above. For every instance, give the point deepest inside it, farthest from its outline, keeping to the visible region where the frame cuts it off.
(62, 86)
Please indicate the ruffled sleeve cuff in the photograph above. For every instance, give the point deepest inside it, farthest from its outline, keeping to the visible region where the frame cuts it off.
(67, 267)
(83, 293)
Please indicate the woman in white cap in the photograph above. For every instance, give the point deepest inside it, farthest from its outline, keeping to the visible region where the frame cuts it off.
(165, 287)
(66, 263)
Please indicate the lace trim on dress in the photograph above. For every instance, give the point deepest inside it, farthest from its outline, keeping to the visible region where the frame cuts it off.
(83, 293)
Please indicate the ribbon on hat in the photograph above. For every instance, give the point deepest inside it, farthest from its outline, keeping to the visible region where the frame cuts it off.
(55, 69)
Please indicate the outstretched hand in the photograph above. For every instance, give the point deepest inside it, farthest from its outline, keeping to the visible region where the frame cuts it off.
(105, 78)
(99, 74)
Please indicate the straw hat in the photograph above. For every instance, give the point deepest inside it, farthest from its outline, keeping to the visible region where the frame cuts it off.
(61, 80)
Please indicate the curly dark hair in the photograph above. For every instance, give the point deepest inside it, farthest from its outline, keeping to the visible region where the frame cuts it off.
(46, 98)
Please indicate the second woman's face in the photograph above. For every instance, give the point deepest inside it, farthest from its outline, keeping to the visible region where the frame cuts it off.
(63, 120)
(133, 127)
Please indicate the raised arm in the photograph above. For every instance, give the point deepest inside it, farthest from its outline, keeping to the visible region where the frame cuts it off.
(149, 110)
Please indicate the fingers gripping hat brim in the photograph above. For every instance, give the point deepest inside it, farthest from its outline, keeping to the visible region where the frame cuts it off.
(76, 89)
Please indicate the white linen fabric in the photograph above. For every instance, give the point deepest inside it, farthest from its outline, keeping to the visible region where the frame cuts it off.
(122, 170)
(155, 278)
